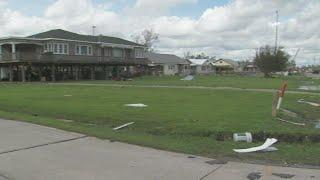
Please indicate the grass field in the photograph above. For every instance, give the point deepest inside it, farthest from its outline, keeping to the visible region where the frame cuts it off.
(196, 121)
(221, 81)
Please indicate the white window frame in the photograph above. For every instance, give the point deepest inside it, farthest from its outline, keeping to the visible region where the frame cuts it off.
(57, 48)
(172, 67)
(78, 50)
(139, 53)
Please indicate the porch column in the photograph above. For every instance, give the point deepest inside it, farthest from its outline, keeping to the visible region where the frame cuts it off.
(53, 72)
(10, 73)
(23, 73)
(76, 68)
(0, 51)
(13, 51)
(92, 73)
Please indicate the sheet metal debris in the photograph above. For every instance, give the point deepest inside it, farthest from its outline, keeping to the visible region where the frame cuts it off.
(310, 103)
(269, 142)
(122, 126)
(188, 78)
(136, 105)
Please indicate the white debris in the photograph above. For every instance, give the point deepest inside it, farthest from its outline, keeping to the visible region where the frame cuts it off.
(299, 124)
(270, 149)
(122, 126)
(269, 142)
(242, 137)
(136, 105)
(188, 78)
(310, 103)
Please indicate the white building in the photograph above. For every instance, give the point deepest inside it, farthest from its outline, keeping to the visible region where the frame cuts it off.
(201, 66)
(167, 64)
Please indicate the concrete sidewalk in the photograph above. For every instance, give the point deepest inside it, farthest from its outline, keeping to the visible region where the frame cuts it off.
(32, 152)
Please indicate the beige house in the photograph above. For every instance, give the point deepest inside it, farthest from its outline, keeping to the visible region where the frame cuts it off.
(167, 64)
(226, 65)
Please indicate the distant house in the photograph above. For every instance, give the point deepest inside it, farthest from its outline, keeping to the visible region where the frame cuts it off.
(226, 65)
(167, 64)
(201, 66)
(250, 68)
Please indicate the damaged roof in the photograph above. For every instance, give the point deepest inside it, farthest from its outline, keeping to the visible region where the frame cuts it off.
(156, 58)
(62, 34)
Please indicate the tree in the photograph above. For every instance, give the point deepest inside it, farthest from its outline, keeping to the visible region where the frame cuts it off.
(147, 37)
(202, 55)
(269, 59)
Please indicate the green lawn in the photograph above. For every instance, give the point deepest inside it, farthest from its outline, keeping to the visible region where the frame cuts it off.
(184, 120)
(221, 81)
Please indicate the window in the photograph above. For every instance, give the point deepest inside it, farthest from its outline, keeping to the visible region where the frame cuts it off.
(139, 53)
(83, 50)
(56, 48)
(117, 52)
(203, 68)
(172, 67)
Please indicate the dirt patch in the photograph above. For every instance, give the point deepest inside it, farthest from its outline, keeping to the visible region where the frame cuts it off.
(284, 176)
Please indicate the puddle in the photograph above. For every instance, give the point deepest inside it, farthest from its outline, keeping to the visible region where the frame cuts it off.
(310, 88)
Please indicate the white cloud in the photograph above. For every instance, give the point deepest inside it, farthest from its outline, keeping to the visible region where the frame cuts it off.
(152, 8)
(233, 30)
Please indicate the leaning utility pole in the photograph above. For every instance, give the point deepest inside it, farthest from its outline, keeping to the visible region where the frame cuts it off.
(93, 30)
(277, 23)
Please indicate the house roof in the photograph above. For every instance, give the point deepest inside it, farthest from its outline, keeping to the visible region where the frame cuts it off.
(165, 58)
(197, 62)
(62, 34)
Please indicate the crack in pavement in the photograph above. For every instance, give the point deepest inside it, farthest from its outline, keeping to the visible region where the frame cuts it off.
(41, 145)
(211, 172)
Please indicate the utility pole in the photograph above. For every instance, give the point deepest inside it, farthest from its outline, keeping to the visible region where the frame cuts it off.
(93, 30)
(277, 23)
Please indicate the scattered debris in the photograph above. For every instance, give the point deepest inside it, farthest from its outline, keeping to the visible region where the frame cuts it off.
(310, 88)
(242, 137)
(136, 105)
(66, 120)
(269, 142)
(254, 175)
(284, 176)
(281, 93)
(122, 126)
(299, 124)
(310, 103)
(289, 113)
(270, 149)
(188, 78)
(216, 161)
(317, 124)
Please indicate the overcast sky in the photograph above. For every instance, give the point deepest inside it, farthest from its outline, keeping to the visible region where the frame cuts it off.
(221, 28)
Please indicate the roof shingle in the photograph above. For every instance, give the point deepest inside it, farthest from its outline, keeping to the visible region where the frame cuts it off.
(62, 34)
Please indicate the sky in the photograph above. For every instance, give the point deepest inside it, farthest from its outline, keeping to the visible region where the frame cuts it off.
(221, 28)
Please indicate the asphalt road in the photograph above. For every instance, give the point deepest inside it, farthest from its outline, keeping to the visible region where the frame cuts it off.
(32, 152)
